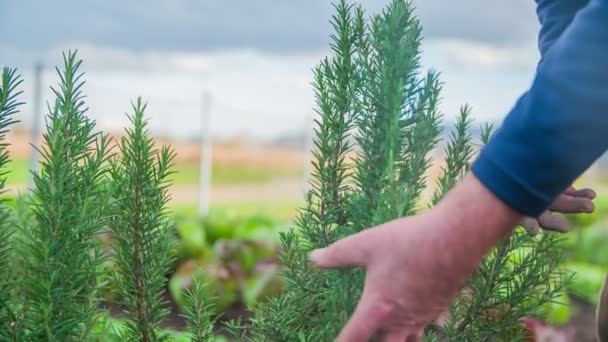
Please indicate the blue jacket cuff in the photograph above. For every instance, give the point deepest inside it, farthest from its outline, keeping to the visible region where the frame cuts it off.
(507, 188)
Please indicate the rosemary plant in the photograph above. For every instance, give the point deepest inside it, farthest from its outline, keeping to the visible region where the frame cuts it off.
(69, 205)
(458, 152)
(198, 311)
(8, 108)
(515, 280)
(378, 122)
(369, 92)
(143, 248)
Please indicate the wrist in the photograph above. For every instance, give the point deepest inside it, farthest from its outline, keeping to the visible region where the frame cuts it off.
(475, 220)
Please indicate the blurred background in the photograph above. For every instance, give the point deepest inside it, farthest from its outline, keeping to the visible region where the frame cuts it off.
(245, 67)
(228, 85)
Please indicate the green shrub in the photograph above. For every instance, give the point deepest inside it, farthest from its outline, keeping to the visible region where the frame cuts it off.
(199, 317)
(8, 108)
(375, 106)
(374, 103)
(143, 245)
(54, 266)
(69, 204)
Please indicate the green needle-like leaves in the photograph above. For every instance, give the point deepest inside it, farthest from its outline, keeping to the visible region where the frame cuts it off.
(198, 312)
(9, 104)
(379, 121)
(143, 249)
(69, 203)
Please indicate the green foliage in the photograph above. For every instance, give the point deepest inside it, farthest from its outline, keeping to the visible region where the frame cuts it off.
(458, 154)
(8, 108)
(305, 309)
(371, 92)
(237, 255)
(559, 311)
(69, 205)
(106, 327)
(235, 271)
(198, 312)
(587, 280)
(520, 278)
(587, 244)
(143, 248)
(198, 236)
(53, 268)
(188, 173)
(378, 123)
(516, 280)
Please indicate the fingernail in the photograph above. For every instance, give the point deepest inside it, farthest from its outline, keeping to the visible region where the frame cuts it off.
(315, 256)
(592, 194)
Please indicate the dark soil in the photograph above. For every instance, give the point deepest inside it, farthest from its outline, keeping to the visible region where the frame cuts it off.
(583, 320)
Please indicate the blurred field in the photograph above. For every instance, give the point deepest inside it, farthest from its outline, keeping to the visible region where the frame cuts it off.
(279, 211)
(187, 173)
(247, 178)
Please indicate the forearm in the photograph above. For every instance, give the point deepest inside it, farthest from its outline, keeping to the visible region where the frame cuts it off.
(477, 221)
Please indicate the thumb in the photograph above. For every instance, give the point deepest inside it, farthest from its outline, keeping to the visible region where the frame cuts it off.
(348, 252)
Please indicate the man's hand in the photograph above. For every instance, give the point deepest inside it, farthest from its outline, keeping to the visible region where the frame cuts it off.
(408, 281)
(571, 201)
(417, 265)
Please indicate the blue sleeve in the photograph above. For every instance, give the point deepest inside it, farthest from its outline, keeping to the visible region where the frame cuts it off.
(560, 127)
(554, 17)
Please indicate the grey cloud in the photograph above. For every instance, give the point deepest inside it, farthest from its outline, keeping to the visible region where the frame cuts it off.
(271, 25)
(489, 21)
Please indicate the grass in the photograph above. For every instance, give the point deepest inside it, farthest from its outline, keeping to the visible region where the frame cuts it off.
(187, 173)
(278, 211)
(18, 172)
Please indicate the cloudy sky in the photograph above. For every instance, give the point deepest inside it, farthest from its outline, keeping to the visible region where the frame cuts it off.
(253, 56)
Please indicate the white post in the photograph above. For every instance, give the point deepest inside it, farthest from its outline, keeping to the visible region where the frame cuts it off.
(36, 121)
(205, 159)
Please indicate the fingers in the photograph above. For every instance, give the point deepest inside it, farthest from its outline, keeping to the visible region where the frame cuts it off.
(365, 321)
(569, 204)
(348, 252)
(587, 193)
(547, 221)
(574, 201)
(554, 222)
(531, 225)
